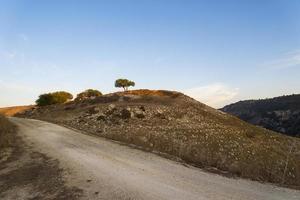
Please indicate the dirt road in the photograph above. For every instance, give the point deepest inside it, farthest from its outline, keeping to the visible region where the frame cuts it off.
(107, 170)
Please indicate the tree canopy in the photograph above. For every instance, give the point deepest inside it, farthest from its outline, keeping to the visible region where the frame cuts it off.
(89, 93)
(124, 83)
(53, 98)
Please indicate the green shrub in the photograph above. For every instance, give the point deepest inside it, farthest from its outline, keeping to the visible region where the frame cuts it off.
(53, 98)
(88, 94)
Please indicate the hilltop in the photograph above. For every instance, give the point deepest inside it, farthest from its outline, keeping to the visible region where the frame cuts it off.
(176, 125)
(281, 114)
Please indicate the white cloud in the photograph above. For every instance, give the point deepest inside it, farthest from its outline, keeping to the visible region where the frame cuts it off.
(215, 95)
(289, 59)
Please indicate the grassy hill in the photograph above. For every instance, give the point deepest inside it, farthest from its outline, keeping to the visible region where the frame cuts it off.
(281, 114)
(174, 124)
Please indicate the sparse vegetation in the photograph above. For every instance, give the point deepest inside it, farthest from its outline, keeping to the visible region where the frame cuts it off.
(7, 133)
(89, 93)
(53, 98)
(124, 83)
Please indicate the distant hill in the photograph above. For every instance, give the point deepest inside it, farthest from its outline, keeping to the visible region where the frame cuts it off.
(281, 114)
(174, 124)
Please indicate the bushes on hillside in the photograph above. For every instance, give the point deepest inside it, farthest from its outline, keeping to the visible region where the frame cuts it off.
(53, 98)
(90, 93)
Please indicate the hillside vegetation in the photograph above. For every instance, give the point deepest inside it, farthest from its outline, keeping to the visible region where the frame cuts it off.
(174, 124)
(281, 114)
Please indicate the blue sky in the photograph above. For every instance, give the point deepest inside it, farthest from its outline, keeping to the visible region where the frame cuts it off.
(215, 51)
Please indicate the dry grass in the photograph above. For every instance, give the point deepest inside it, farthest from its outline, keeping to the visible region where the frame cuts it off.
(11, 111)
(146, 92)
(7, 132)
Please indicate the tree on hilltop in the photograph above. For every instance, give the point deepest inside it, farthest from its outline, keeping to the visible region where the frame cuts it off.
(124, 83)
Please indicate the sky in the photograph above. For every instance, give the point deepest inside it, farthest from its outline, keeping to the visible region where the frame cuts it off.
(218, 52)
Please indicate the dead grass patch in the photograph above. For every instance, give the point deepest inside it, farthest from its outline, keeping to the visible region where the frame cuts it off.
(7, 132)
(11, 111)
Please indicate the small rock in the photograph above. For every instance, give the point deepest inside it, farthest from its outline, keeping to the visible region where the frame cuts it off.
(111, 106)
(142, 108)
(139, 114)
(101, 117)
(125, 114)
(160, 114)
(111, 109)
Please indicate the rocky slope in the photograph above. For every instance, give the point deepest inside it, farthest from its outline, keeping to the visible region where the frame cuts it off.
(174, 124)
(281, 114)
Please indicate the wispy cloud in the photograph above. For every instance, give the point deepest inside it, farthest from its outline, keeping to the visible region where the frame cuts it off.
(287, 60)
(215, 95)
